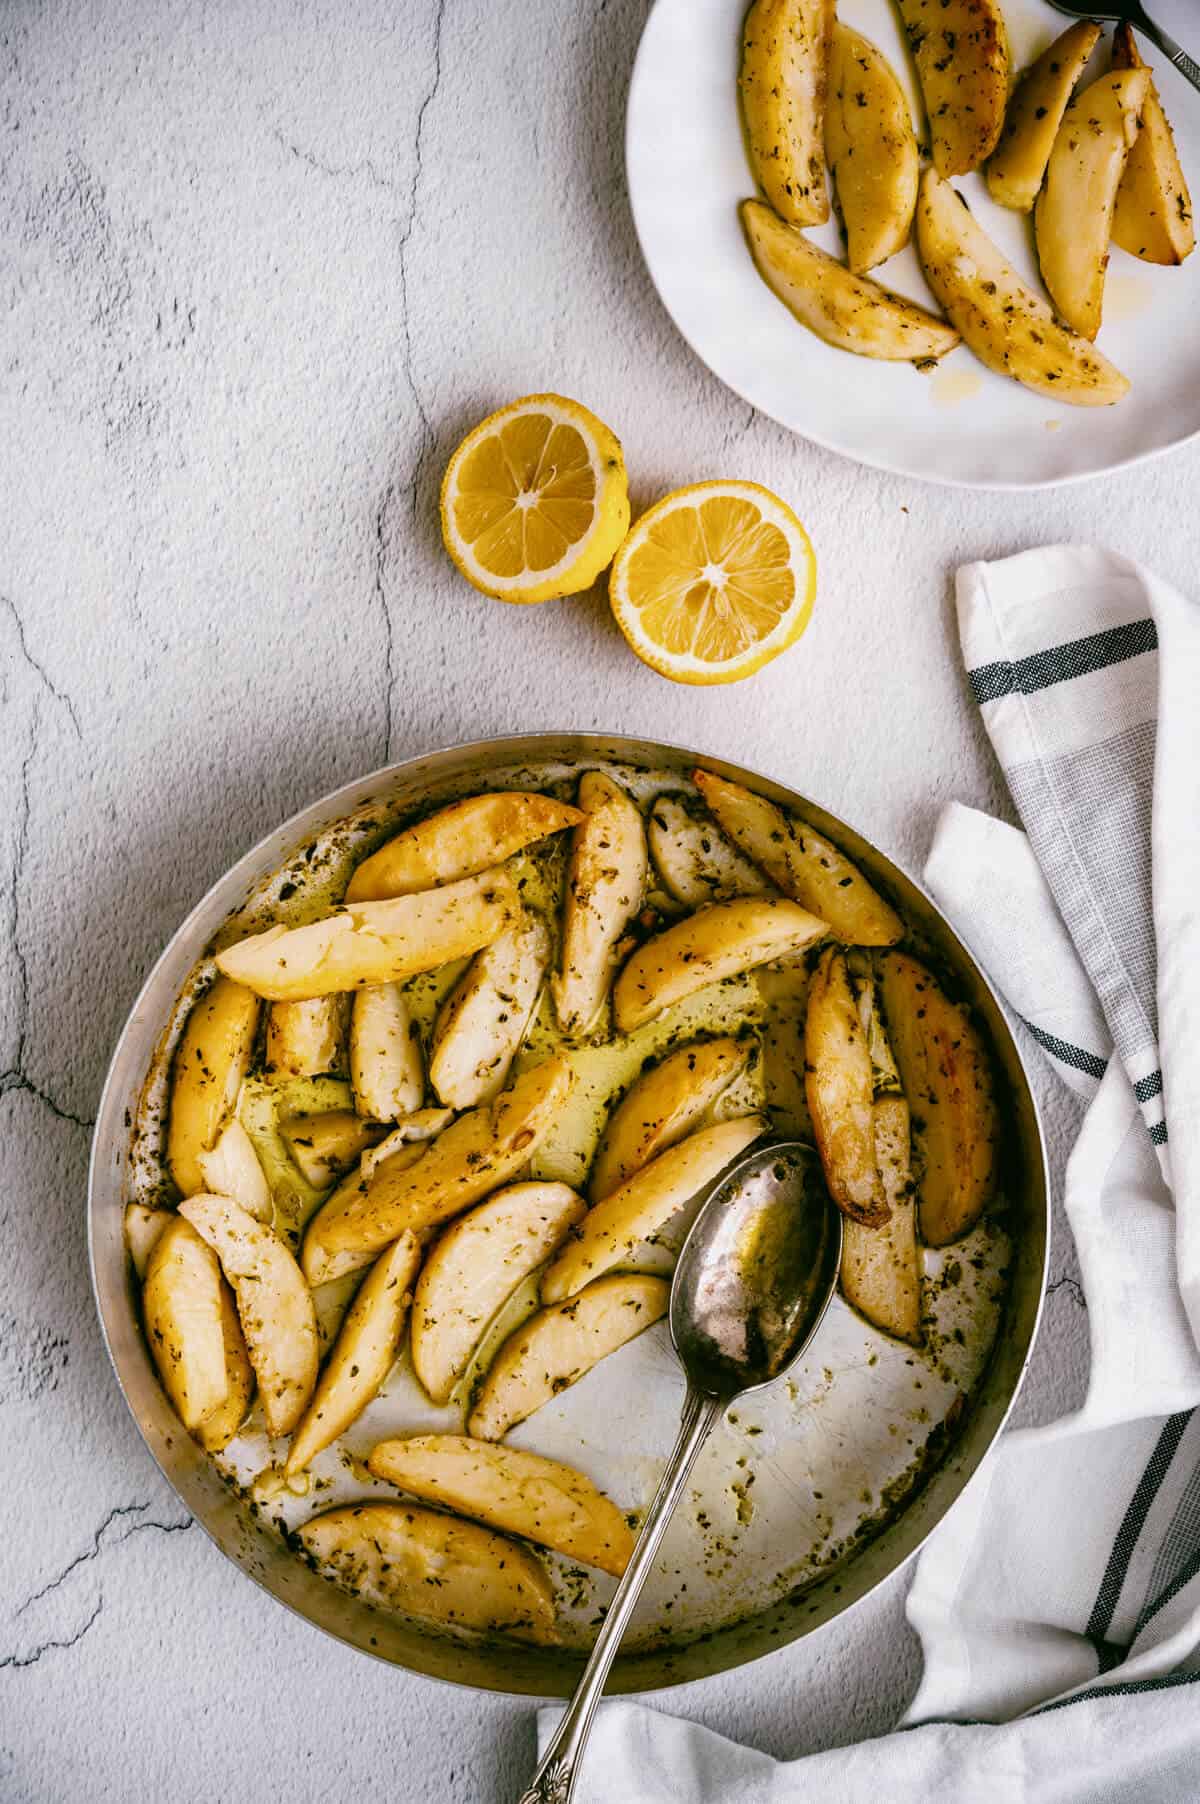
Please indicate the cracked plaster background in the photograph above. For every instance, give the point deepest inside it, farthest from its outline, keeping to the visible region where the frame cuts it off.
(260, 266)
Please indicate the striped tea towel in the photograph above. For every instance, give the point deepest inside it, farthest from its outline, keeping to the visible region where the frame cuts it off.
(1059, 1604)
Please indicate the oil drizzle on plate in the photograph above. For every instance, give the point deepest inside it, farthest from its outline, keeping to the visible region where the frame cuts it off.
(952, 386)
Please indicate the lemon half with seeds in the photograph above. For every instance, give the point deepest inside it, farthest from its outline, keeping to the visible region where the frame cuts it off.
(534, 500)
(714, 582)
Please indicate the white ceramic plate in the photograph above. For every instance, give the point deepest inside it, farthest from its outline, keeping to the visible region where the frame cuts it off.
(960, 424)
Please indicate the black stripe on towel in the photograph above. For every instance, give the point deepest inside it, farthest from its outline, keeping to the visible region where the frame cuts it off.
(1167, 1682)
(1158, 1134)
(1134, 1521)
(1062, 662)
(1066, 1054)
(1146, 1087)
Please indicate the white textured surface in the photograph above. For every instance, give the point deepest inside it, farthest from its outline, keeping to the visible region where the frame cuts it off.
(261, 266)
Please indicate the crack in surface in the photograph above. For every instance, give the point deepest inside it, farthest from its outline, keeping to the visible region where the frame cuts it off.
(335, 170)
(389, 633)
(99, 1539)
(38, 668)
(1072, 1286)
(16, 1662)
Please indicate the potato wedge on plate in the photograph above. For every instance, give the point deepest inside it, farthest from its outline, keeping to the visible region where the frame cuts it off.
(840, 1086)
(872, 150)
(375, 942)
(695, 862)
(606, 879)
(663, 1105)
(210, 1062)
(473, 1269)
(221, 1424)
(520, 1493)
(306, 1038)
(459, 841)
(716, 942)
(1007, 325)
(362, 1355)
(411, 1132)
(385, 1054)
(850, 312)
(274, 1304)
(960, 48)
(181, 1308)
(783, 83)
(429, 1564)
(560, 1345)
(142, 1229)
(1153, 215)
(232, 1168)
(483, 1021)
(1018, 163)
(1074, 212)
(325, 1146)
(802, 863)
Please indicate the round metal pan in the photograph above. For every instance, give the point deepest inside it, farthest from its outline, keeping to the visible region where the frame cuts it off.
(257, 1549)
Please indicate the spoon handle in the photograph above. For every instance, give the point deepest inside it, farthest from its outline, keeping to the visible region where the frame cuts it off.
(1174, 52)
(554, 1781)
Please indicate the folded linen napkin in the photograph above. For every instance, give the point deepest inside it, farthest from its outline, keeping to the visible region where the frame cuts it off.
(1059, 1604)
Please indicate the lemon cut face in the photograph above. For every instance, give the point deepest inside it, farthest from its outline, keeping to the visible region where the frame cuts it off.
(535, 500)
(714, 582)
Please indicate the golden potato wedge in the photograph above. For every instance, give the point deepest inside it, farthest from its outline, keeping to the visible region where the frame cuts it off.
(872, 150)
(1007, 325)
(326, 1145)
(274, 1304)
(477, 1153)
(881, 1266)
(850, 312)
(560, 1345)
(308, 1037)
(638, 1209)
(1073, 218)
(606, 879)
(222, 1423)
(716, 942)
(521, 1493)
(840, 1089)
(411, 1132)
(433, 1565)
(142, 1229)
(483, 1021)
(181, 1308)
(695, 862)
(663, 1105)
(783, 84)
(232, 1168)
(802, 863)
(473, 1269)
(1018, 164)
(947, 1079)
(784, 988)
(459, 841)
(386, 1073)
(210, 1062)
(375, 942)
(1153, 215)
(960, 48)
(362, 1355)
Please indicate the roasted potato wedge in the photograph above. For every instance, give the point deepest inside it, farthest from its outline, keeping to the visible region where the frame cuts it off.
(695, 862)
(1073, 217)
(433, 1565)
(716, 942)
(1153, 215)
(475, 1267)
(663, 1105)
(521, 1493)
(850, 312)
(325, 1146)
(783, 84)
(142, 1229)
(231, 1168)
(459, 841)
(306, 1038)
(375, 942)
(1018, 163)
(947, 1079)
(483, 1021)
(560, 1345)
(221, 1424)
(386, 1073)
(411, 1132)
(840, 1087)
(634, 1212)
(802, 863)
(1007, 325)
(181, 1307)
(274, 1304)
(362, 1355)
(477, 1153)
(606, 879)
(210, 1062)
(872, 150)
(960, 48)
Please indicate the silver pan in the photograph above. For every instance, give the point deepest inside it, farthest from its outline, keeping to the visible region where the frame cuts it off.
(258, 1549)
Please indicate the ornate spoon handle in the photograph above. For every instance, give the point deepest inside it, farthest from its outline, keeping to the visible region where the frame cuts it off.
(1170, 49)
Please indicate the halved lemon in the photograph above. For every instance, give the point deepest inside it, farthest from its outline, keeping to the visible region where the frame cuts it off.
(534, 501)
(713, 582)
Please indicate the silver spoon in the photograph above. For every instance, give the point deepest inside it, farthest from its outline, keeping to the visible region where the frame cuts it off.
(753, 1279)
(1129, 12)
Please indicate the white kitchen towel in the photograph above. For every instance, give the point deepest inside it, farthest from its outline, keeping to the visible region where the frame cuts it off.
(1059, 1604)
